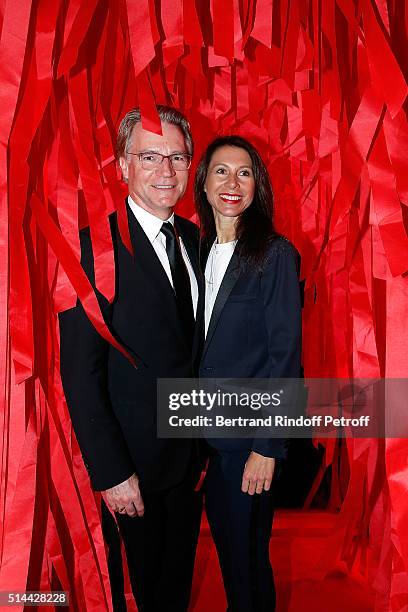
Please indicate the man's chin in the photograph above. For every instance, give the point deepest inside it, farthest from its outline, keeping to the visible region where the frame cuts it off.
(167, 203)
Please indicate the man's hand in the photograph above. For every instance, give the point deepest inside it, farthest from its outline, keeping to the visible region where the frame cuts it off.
(125, 497)
(258, 473)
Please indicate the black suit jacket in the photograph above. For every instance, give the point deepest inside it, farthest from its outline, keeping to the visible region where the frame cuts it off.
(255, 330)
(112, 403)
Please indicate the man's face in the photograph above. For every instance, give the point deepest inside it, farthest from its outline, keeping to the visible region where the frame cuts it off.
(158, 190)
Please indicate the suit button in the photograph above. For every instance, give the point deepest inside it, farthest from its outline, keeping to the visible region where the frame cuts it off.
(209, 369)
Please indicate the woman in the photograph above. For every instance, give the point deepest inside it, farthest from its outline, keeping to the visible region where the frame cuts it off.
(252, 329)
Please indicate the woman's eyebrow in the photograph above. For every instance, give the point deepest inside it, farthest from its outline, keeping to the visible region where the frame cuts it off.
(226, 165)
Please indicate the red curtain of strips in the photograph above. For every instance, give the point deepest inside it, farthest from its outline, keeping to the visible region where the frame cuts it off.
(319, 87)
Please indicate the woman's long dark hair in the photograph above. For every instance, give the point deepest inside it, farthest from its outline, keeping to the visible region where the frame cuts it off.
(255, 225)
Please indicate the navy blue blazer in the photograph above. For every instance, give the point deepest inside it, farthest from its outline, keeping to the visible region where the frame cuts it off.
(255, 330)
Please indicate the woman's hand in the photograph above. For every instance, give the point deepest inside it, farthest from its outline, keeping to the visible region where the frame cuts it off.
(258, 474)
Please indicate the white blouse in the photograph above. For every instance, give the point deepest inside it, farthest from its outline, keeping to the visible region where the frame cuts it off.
(216, 266)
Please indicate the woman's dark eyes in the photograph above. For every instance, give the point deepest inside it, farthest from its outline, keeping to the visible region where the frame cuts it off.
(242, 173)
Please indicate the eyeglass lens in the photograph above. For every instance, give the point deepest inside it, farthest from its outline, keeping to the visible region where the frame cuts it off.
(179, 161)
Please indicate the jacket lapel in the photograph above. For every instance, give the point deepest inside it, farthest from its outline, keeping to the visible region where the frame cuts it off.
(146, 255)
(191, 248)
(230, 278)
(193, 255)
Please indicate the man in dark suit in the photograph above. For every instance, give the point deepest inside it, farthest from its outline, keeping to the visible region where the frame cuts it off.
(148, 482)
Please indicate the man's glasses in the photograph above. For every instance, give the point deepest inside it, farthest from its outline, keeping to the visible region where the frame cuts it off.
(153, 161)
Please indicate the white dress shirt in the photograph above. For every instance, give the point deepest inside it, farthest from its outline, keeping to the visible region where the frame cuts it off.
(216, 266)
(151, 226)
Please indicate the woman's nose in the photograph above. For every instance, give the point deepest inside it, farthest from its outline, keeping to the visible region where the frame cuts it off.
(232, 181)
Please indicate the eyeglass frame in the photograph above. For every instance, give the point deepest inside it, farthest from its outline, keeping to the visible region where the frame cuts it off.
(163, 157)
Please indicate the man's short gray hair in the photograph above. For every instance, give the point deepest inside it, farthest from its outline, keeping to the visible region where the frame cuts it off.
(167, 114)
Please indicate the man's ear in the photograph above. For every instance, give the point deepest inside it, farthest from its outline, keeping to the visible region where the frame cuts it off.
(124, 166)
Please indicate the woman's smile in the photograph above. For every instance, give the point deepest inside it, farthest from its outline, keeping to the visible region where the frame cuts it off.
(230, 197)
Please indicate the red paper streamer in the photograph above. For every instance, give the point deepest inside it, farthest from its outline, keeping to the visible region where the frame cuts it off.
(223, 28)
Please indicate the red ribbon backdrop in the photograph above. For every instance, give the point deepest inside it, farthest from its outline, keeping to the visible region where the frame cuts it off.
(319, 87)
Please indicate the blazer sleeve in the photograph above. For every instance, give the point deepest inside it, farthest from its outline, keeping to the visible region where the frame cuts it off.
(84, 373)
(281, 297)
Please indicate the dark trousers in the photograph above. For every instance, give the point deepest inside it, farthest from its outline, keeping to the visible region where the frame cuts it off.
(241, 527)
(160, 548)
(113, 542)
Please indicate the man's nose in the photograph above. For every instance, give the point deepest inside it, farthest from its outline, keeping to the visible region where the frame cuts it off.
(166, 168)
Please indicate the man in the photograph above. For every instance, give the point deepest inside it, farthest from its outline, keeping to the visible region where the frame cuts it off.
(148, 482)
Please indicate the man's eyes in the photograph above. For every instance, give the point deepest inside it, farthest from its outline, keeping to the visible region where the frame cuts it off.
(157, 157)
(149, 157)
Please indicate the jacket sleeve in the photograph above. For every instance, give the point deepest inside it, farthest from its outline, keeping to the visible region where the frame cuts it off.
(84, 373)
(281, 296)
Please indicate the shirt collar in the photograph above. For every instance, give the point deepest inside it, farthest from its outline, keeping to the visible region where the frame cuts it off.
(151, 224)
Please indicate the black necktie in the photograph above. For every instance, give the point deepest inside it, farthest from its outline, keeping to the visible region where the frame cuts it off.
(181, 280)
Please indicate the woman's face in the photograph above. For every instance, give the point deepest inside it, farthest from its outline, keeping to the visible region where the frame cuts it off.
(230, 184)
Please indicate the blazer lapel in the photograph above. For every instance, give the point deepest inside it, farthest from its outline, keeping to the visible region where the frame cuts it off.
(230, 278)
(193, 255)
(190, 248)
(146, 255)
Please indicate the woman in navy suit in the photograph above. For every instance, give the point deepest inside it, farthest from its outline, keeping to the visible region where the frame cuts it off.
(252, 330)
